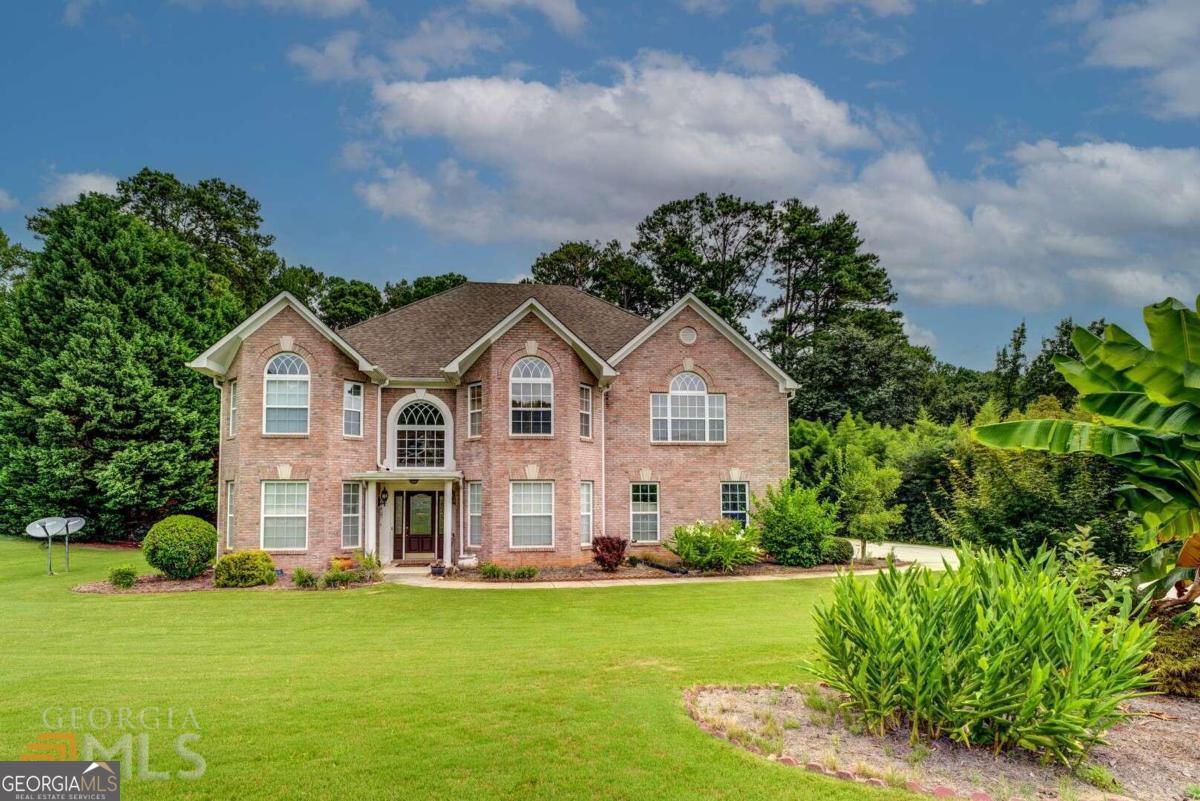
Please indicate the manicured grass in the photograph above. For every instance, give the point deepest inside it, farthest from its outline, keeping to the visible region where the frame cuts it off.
(400, 692)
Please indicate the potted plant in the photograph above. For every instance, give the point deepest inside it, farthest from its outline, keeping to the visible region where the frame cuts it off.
(341, 562)
(437, 568)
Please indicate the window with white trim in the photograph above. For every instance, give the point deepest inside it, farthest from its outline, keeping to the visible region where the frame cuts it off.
(233, 404)
(585, 513)
(735, 501)
(643, 512)
(474, 409)
(420, 436)
(229, 508)
(531, 509)
(284, 515)
(585, 411)
(351, 515)
(688, 413)
(285, 395)
(474, 513)
(531, 397)
(352, 408)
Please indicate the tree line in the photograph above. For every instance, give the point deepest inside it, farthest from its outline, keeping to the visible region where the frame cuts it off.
(98, 415)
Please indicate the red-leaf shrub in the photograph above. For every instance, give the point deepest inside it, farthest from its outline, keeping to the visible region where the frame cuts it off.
(609, 552)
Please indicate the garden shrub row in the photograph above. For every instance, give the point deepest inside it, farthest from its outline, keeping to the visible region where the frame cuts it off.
(244, 569)
(491, 570)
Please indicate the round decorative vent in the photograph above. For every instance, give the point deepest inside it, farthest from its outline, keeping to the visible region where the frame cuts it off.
(687, 335)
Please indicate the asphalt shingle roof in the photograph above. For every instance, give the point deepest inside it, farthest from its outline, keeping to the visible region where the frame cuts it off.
(416, 340)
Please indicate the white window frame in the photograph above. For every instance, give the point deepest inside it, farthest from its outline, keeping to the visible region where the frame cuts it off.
(549, 379)
(586, 515)
(585, 393)
(262, 518)
(446, 428)
(708, 418)
(230, 510)
(474, 512)
(358, 515)
(346, 408)
(729, 514)
(306, 378)
(511, 515)
(657, 512)
(233, 408)
(475, 410)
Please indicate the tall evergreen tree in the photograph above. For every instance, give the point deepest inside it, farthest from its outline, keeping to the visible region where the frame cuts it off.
(98, 414)
(348, 301)
(1009, 372)
(606, 271)
(1042, 377)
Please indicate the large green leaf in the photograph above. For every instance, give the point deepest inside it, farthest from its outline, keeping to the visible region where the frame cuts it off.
(1174, 330)
(1138, 411)
(1089, 346)
(1058, 436)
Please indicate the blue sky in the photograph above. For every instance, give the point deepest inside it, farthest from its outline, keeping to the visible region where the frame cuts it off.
(1008, 160)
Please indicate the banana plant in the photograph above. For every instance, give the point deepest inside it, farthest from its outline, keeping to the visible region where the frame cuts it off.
(1145, 408)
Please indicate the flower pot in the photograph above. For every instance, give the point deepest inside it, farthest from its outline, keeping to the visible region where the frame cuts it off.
(342, 562)
(437, 570)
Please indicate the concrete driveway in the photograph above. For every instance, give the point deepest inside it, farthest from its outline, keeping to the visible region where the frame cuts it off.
(931, 556)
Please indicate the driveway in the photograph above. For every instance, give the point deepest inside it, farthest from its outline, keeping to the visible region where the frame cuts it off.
(929, 555)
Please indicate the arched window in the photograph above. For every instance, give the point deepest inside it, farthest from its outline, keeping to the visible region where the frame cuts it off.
(285, 395)
(688, 413)
(420, 436)
(531, 397)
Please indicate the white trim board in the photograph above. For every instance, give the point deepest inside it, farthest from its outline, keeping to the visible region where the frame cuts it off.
(216, 360)
(690, 301)
(458, 366)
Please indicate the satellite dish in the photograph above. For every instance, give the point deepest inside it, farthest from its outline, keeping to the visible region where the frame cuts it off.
(46, 529)
(75, 524)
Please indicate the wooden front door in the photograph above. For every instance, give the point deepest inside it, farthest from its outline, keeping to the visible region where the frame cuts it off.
(420, 522)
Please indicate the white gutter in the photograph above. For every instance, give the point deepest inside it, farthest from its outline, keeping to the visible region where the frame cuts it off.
(603, 466)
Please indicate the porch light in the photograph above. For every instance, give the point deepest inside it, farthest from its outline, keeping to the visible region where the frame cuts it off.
(383, 496)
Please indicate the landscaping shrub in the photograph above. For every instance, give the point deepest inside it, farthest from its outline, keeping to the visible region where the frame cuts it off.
(491, 570)
(369, 569)
(1175, 659)
(609, 552)
(793, 522)
(836, 551)
(719, 546)
(244, 569)
(304, 578)
(181, 546)
(123, 576)
(337, 577)
(998, 653)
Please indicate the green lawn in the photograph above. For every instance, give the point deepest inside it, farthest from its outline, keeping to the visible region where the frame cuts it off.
(403, 692)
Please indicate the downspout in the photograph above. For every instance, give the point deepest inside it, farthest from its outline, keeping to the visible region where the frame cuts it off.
(603, 464)
(378, 425)
(224, 538)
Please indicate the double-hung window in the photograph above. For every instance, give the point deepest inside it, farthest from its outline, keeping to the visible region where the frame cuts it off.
(284, 515)
(688, 413)
(585, 513)
(475, 514)
(735, 501)
(643, 512)
(285, 395)
(351, 515)
(531, 397)
(585, 411)
(233, 404)
(229, 508)
(531, 507)
(474, 409)
(352, 409)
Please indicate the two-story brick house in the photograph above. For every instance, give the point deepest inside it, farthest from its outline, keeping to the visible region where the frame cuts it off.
(507, 422)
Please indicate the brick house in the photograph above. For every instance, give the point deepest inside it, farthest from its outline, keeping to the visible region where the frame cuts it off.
(509, 423)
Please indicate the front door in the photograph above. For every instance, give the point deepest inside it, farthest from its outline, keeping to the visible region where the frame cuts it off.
(420, 522)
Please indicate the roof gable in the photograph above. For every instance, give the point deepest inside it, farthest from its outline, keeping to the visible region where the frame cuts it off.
(216, 360)
(690, 301)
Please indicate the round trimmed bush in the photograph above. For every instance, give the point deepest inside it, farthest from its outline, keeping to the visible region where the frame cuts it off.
(244, 569)
(794, 521)
(181, 546)
(836, 551)
(123, 577)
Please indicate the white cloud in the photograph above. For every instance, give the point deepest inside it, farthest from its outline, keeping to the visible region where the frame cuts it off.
(759, 52)
(315, 8)
(66, 187)
(7, 201)
(564, 15)
(1160, 38)
(75, 10)
(335, 60)
(864, 44)
(881, 7)
(713, 8)
(588, 159)
(918, 335)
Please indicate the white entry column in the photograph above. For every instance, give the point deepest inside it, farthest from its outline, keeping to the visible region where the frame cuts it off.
(447, 521)
(371, 535)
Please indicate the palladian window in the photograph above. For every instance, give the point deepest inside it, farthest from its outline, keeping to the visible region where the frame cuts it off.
(531, 397)
(420, 436)
(285, 395)
(688, 413)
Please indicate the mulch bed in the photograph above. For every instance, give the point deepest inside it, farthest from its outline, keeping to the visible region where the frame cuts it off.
(203, 583)
(643, 571)
(1155, 756)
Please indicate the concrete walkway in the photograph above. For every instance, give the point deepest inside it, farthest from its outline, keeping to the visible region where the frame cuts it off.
(927, 555)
